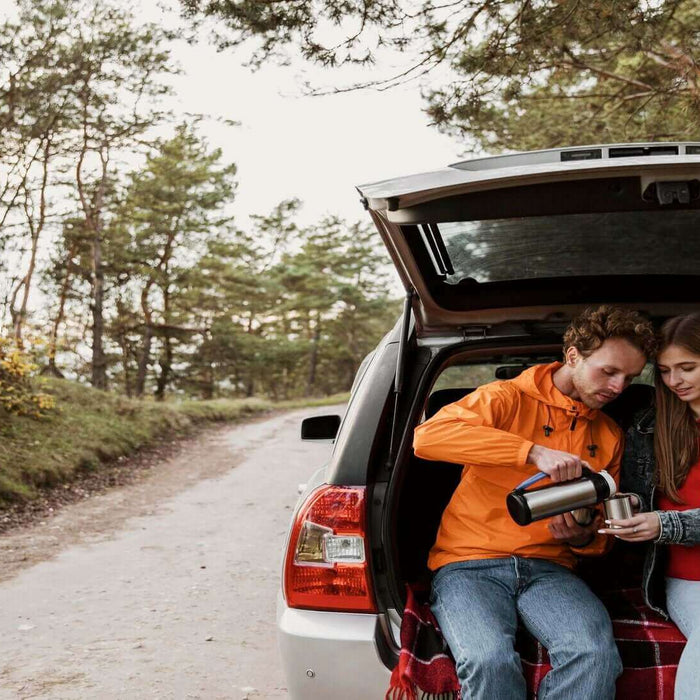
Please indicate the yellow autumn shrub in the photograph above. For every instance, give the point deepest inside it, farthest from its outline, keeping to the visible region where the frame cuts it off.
(17, 393)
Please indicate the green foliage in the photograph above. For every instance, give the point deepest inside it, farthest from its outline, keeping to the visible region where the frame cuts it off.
(18, 395)
(150, 287)
(276, 24)
(171, 207)
(79, 82)
(504, 74)
(90, 428)
(294, 310)
(554, 74)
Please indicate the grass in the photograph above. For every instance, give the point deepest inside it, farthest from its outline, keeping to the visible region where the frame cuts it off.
(90, 428)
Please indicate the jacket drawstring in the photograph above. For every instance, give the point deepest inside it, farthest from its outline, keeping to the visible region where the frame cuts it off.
(548, 430)
(591, 446)
(574, 420)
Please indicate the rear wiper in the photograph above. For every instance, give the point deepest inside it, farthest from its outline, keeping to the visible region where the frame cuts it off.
(441, 258)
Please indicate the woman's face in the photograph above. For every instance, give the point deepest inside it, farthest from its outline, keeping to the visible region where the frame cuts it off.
(680, 372)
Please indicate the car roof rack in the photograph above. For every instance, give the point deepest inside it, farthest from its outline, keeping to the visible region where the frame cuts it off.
(594, 152)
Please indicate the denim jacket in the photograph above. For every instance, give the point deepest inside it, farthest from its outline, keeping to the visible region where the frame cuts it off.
(677, 527)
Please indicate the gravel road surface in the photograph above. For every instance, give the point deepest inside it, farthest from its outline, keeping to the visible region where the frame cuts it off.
(165, 588)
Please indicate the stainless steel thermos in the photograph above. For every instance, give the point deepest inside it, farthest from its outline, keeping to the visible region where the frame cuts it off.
(527, 506)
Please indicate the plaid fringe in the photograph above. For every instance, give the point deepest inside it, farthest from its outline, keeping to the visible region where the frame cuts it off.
(414, 694)
(400, 687)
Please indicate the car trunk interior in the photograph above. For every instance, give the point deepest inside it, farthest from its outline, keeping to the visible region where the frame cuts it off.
(421, 489)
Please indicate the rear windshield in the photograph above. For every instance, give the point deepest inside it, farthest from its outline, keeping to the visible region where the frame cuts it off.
(567, 245)
(558, 243)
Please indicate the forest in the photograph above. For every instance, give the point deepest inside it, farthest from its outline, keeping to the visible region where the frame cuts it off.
(121, 264)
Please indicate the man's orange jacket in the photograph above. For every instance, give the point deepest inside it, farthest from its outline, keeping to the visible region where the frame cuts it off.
(490, 432)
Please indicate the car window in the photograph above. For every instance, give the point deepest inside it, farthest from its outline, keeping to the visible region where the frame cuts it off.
(468, 376)
(647, 375)
(361, 371)
(607, 243)
(473, 375)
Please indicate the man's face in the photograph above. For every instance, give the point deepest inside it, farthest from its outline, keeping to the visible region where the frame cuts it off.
(602, 376)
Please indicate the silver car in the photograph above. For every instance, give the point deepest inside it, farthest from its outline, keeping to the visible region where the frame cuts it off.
(496, 255)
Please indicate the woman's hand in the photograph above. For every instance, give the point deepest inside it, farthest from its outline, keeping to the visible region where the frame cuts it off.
(638, 528)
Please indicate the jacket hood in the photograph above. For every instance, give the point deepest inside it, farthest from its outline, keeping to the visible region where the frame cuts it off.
(538, 383)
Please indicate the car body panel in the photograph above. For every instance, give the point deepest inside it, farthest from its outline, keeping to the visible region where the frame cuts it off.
(330, 655)
(352, 452)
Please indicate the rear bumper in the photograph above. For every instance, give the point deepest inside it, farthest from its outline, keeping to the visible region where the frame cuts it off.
(330, 655)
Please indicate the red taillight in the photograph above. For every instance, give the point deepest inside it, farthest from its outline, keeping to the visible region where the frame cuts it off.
(326, 566)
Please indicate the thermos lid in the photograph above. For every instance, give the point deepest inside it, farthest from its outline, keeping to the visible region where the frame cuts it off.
(610, 481)
(518, 508)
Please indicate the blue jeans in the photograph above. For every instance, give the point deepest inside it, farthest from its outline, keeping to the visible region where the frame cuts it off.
(683, 602)
(477, 604)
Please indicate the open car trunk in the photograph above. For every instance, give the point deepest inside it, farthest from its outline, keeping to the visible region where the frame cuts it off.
(489, 246)
(496, 257)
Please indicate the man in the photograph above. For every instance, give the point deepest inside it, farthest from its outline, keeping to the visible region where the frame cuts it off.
(490, 570)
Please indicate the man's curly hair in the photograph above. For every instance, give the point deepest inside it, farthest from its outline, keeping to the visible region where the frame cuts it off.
(594, 326)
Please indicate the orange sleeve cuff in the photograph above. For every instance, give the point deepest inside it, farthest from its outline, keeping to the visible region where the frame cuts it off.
(523, 452)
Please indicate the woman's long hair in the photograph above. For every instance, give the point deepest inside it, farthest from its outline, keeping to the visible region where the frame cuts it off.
(676, 432)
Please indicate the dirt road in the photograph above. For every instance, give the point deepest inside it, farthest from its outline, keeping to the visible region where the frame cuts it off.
(162, 589)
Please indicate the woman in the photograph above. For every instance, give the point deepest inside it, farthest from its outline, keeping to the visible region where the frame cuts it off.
(672, 572)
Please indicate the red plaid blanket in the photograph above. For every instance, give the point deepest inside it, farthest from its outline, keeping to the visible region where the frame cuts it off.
(650, 649)
(425, 663)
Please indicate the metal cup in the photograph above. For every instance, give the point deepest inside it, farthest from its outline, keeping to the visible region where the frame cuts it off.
(618, 507)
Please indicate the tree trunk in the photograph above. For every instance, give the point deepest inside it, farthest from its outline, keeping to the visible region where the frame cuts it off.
(145, 356)
(53, 339)
(125, 364)
(250, 382)
(166, 358)
(144, 359)
(21, 315)
(313, 359)
(35, 229)
(124, 345)
(13, 301)
(166, 364)
(208, 384)
(94, 224)
(99, 361)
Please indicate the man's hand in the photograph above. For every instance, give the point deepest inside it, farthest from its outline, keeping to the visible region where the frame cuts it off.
(558, 465)
(564, 527)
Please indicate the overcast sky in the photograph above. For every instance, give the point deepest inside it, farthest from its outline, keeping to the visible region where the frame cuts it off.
(289, 145)
(313, 148)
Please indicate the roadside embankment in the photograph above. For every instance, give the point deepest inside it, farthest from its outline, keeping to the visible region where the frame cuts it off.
(90, 430)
